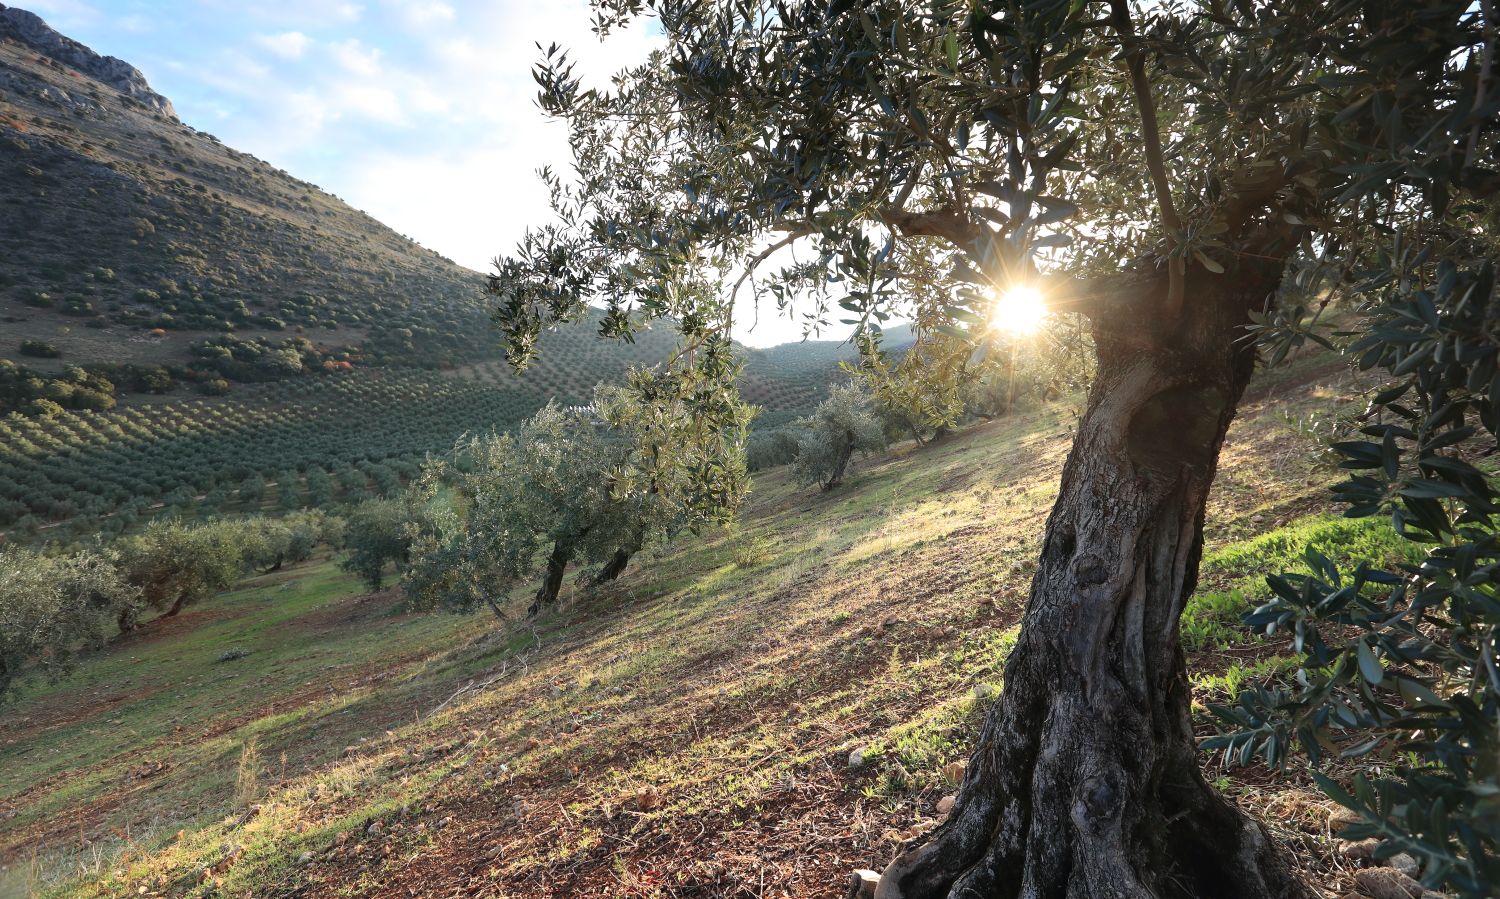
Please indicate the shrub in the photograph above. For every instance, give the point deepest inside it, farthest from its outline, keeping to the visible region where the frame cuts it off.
(40, 349)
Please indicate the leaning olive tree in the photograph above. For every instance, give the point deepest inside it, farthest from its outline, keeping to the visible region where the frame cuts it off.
(175, 564)
(1156, 168)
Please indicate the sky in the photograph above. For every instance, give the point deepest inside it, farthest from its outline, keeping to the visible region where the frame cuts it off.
(419, 112)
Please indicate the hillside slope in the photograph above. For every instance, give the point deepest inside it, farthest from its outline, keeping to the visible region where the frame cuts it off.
(176, 270)
(131, 237)
(120, 219)
(685, 732)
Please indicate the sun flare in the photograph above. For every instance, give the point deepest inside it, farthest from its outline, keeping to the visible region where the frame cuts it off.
(1018, 310)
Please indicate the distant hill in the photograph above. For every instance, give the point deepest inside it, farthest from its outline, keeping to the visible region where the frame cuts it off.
(134, 238)
(180, 321)
(120, 220)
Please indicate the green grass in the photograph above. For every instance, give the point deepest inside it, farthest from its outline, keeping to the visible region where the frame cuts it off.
(1212, 619)
(301, 692)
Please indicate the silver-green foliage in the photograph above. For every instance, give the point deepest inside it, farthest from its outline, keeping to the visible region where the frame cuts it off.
(595, 485)
(175, 564)
(845, 423)
(53, 607)
(376, 534)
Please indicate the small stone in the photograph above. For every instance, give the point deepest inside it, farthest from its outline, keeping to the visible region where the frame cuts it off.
(647, 798)
(1386, 883)
(954, 771)
(1358, 850)
(862, 884)
(945, 805)
(984, 691)
(1404, 863)
(857, 757)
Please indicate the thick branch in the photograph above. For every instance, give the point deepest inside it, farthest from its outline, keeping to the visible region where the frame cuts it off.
(1135, 67)
(944, 223)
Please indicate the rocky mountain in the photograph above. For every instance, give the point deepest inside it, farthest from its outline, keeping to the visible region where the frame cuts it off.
(28, 29)
(132, 238)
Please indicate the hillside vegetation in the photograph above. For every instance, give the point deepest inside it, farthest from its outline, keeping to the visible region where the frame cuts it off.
(754, 713)
(178, 318)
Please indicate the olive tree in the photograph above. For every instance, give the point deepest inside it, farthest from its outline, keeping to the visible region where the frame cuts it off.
(672, 471)
(597, 486)
(1168, 171)
(377, 533)
(175, 564)
(559, 490)
(269, 543)
(842, 425)
(53, 607)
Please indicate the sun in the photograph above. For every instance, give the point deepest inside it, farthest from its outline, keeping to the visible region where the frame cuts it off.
(1018, 310)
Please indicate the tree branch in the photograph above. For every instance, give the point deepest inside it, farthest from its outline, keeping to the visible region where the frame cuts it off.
(1135, 67)
(1486, 72)
(945, 223)
(755, 261)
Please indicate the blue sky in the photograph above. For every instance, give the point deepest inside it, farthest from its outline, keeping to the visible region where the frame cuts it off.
(419, 112)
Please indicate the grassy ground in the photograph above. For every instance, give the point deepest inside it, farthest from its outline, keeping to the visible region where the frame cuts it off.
(685, 732)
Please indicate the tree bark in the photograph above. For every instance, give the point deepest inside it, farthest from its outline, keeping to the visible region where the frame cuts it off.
(616, 565)
(845, 454)
(1085, 783)
(557, 565)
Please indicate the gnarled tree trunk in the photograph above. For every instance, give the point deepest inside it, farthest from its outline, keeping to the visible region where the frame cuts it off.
(616, 565)
(840, 465)
(557, 565)
(1085, 782)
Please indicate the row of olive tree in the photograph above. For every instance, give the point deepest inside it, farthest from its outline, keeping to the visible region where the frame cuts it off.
(54, 607)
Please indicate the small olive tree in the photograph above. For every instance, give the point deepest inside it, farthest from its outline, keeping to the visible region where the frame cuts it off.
(842, 425)
(174, 564)
(377, 533)
(53, 607)
(539, 491)
(270, 543)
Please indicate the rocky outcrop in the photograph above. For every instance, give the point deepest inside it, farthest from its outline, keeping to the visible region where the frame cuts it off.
(29, 29)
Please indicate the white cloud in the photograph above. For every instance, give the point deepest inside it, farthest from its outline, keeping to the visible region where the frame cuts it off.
(287, 45)
(422, 14)
(356, 57)
(284, 13)
(65, 14)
